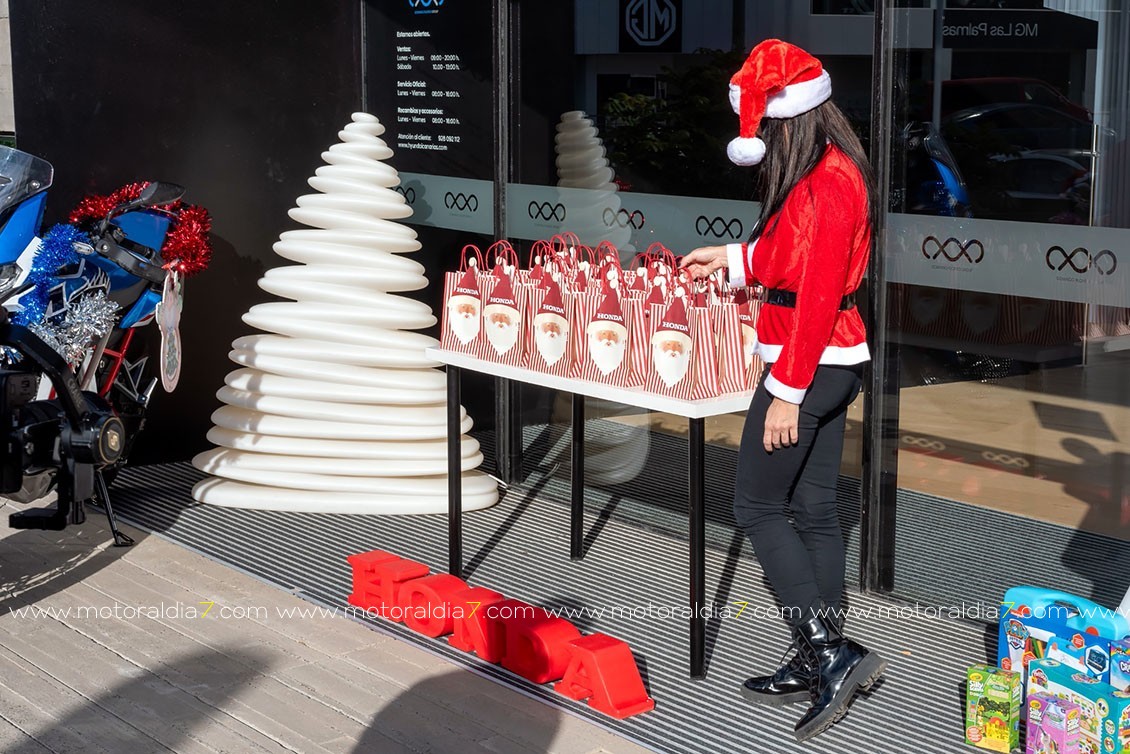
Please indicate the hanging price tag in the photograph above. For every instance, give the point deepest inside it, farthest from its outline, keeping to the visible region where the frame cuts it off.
(168, 321)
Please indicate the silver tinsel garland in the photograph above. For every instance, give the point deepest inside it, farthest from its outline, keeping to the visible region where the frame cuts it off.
(85, 322)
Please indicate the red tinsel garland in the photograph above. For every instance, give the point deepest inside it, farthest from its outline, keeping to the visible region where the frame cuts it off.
(186, 248)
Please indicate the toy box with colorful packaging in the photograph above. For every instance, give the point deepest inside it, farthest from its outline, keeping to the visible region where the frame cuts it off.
(1120, 665)
(992, 708)
(1104, 711)
(1053, 725)
(1045, 623)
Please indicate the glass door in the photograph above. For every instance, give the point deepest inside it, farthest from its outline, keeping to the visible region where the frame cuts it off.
(1008, 297)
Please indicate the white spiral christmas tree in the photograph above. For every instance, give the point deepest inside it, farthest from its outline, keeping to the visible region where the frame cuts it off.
(582, 163)
(619, 452)
(337, 409)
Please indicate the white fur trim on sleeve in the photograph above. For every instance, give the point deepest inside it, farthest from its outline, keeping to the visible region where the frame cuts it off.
(780, 390)
(736, 265)
(798, 98)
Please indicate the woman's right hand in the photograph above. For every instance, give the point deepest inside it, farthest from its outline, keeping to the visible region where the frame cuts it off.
(704, 261)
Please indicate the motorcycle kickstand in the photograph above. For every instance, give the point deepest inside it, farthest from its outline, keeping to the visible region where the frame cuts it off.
(120, 538)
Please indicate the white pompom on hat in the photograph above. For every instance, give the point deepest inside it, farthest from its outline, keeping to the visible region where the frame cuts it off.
(777, 80)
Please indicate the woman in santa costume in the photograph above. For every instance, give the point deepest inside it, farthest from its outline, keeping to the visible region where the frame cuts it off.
(809, 251)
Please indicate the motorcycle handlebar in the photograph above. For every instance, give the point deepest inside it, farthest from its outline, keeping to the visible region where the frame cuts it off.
(128, 261)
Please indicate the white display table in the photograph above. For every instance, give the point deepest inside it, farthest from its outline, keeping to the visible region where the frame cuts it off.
(694, 411)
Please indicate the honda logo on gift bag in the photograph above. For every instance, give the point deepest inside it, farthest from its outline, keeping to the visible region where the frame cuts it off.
(650, 25)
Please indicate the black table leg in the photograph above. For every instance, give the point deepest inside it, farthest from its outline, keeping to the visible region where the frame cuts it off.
(577, 493)
(696, 482)
(454, 475)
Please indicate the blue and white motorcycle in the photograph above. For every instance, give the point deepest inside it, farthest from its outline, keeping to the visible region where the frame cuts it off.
(73, 390)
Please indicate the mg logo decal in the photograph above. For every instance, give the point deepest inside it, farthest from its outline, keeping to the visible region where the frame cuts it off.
(1080, 260)
(622, 218)
(461, 202)
(546, 211)
(953, 249)
(719, 227)
(650, 22)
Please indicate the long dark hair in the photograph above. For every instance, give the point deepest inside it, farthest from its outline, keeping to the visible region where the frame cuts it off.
(790, 158)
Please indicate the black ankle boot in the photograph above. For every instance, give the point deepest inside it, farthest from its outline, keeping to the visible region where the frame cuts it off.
(789, 684)
(841, 667)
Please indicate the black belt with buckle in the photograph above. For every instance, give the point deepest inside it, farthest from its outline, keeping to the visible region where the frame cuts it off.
(779, 297)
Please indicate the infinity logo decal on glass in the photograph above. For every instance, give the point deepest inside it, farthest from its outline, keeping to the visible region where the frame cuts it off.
(546, 211)
(1005, 459)
(408, 193)
(461, 202)
(953, 249)
(424, 3)
(1080, 260)
(622, 218)
(719, 227)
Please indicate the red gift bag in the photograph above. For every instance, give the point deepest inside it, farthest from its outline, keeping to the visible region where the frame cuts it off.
(748, 309)
(704, 359)
(504, 309)
(671, 354)
(635, 307)
(462, 311)
(551, 347)
(606, 355)
(733, 369)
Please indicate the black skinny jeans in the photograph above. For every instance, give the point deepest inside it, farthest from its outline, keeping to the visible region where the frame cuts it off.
(803, 560)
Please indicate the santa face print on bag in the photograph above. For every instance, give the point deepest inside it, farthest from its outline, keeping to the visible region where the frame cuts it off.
(608, 344)
(463, 317)
(501, 327)
(501, 317)
(551, 335)
(671, 352)
(607, 333)
(551, 327)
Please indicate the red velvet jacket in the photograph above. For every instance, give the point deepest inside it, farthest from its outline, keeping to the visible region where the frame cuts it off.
(817, 245)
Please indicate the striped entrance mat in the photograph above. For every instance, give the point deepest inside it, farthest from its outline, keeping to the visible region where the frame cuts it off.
(631, 581)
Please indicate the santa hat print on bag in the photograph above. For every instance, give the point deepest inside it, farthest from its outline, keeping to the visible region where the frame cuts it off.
(778, 80)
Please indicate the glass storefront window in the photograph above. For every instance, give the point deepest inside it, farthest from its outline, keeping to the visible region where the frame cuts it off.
(1009, 310)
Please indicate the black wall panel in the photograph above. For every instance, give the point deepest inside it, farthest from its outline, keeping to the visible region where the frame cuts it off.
(234, 100)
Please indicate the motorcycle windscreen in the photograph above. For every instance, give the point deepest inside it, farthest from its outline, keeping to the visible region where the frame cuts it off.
(21, 175)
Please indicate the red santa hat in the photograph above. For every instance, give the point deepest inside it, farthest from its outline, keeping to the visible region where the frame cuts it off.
(552, 307)
(501, 299)
(778, 80)
(466, 289)
(609, 316)
(674, 325)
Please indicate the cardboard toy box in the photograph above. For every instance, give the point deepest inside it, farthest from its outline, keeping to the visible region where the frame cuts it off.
(1120, 665)
(992, 708)
(1053, 725)
(1104, 711)
(1045, 623)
